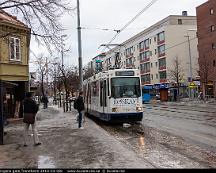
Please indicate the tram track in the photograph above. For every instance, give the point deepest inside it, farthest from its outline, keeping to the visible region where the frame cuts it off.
(155, 142)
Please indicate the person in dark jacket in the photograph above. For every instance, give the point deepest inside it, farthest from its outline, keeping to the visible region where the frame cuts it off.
(5, 111)
(45, 101)
(80, 109)
(30, 106)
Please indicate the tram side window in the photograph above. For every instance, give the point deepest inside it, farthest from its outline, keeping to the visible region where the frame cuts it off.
(101, 93)
(105, 93)
(89, 93)
(94, 89)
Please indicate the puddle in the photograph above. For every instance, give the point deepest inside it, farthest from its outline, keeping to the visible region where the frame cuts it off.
(45, 162)
(126, 125)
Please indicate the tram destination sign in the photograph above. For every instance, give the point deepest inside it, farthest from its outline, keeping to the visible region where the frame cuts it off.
(124, 73)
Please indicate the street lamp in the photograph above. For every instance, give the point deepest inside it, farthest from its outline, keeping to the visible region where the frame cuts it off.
(54, 87)
(79, 47)
(189, 47)
(190, 60)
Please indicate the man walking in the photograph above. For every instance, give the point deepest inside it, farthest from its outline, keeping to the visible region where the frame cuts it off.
(30, 110)
(79, 105)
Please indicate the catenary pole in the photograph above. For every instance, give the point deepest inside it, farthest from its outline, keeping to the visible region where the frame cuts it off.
(79, 48)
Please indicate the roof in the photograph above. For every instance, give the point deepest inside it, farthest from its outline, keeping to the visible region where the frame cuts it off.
(6, 17)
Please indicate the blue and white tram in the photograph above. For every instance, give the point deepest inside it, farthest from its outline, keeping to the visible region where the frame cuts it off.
(114, 95)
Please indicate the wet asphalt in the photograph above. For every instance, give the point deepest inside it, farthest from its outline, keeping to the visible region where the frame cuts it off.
(66, 146)
(170, 136)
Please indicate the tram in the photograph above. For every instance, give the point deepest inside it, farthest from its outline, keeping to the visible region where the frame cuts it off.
(114, 96)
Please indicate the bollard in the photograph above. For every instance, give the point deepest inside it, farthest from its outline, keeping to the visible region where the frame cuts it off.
(70, 106)
(64, 106)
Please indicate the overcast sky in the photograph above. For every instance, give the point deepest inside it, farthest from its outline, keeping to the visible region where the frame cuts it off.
(97, 15)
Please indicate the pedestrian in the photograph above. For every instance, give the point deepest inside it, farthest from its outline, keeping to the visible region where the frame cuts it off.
(200, 96)
(5, 111)
(45, 101)
(30, 109)
(79, 105)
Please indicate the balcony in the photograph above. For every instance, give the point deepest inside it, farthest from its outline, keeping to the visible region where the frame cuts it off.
(161, 68)
(141, 50)
(144, 60)
(130, 55)
(161, 54)
(130, 65)
(161, 42)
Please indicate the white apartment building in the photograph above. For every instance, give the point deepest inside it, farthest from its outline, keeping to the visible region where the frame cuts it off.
(154, 50)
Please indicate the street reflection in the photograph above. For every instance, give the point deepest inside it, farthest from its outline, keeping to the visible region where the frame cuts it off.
(141, 143)
(45, 162)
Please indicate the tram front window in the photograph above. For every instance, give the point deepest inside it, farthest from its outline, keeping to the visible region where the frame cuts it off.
(125, 87)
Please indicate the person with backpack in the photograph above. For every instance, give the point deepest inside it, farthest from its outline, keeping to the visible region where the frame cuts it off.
(79, 105)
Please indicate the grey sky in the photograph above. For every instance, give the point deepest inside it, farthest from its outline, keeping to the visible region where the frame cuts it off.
(113, 14)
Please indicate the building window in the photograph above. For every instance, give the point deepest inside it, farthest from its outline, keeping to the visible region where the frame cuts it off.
(162, 63)
(161, 50)
(152, 76)
(212, 28)
(211, 11)
(146, 43)
(15, 53)
(161, 37)
(146, 78)
(156, 76)
(129, 51)
(141, 45)
(163, 75)
(151, 65)
(145, 68)
(214, 63)
(180, 21)
(156, 64)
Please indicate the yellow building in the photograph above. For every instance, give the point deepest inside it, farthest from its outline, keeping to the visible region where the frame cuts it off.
(14, 61)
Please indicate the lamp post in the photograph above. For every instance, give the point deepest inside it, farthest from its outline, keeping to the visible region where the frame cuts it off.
(190, 61)
(54, 86)
(79, 48)
(191, 91)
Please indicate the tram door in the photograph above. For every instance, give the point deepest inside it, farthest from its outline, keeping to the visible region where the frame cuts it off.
(103, 95)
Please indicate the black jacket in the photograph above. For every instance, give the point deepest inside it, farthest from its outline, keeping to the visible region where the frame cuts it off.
(30, 106)
(80, 104)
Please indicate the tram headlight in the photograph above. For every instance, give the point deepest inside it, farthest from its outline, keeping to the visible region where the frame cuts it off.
(114, 109)
(139, 109)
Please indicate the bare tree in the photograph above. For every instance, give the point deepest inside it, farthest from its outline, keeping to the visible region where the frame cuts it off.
(42, 16)
(42, 70)
(88, 72)
(204, 73)
(176, 74)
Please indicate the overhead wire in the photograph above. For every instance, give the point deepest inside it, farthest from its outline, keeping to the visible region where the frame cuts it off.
(134, 18)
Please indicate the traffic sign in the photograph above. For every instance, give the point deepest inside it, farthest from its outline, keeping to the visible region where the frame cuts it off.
(192, 85)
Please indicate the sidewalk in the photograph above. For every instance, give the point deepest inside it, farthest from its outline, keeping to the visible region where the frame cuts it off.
(66, 146)
(191, 103)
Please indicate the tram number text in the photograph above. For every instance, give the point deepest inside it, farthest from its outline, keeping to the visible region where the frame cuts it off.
(124, 102)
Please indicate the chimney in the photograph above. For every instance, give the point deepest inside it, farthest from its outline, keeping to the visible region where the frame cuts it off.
(184, 13)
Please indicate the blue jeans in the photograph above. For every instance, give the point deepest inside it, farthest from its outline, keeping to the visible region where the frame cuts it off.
(80, 118)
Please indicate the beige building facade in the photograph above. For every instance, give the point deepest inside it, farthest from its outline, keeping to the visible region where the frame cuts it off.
(154, 50)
